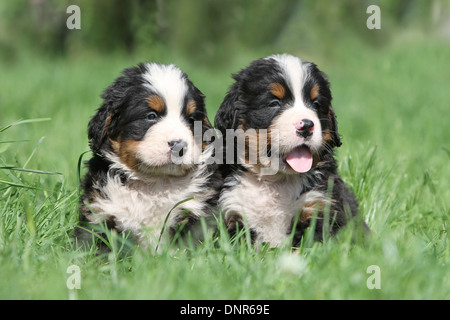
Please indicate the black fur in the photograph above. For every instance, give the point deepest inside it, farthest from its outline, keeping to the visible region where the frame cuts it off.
(124, 116)
(247, 105)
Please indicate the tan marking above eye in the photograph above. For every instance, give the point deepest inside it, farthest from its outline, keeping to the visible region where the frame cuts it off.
(326, 135)
(156, 103)
(314, 91)
(277, 89)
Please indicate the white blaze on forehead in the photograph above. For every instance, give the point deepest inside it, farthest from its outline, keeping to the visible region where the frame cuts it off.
(294, 73)
(168, 82)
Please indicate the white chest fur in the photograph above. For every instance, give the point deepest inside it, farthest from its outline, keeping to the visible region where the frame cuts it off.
(268, 205)
(142, 206)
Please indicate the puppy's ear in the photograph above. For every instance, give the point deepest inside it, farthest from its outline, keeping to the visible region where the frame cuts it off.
(201, 104)
(103, 121)
(226, 116)
(325, 83)
(113, 97)
(334, 128)
(99, 126)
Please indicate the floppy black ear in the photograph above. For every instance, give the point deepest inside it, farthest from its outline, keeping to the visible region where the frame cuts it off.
(334, 128)
(325, 83)
(102, 122)
(226, 116)
(99, 126)
(200, 100)
(113, 97)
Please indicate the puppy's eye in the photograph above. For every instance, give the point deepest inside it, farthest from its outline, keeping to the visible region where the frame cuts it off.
(152, 116)
(275, 103)
(316, 104)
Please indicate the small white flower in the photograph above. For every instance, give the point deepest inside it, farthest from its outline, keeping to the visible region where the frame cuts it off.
(293, 264)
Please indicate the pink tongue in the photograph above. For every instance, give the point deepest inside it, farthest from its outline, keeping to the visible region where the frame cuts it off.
(300, 159)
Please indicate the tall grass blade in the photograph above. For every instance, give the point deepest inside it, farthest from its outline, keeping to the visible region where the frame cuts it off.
(24, 122)
(167, 218)
(29, 170)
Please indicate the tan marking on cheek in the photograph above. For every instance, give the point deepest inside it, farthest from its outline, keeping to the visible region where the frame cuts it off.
(326, 135)
(331, 115)
(191, 107)
(277, 90)
(256, 144)
(314, 91)
(242, 124)
(127, 152)
(156, 103)
(250, 148)
(115, 146)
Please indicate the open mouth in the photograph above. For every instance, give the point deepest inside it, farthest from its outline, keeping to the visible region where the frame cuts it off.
(300, 159)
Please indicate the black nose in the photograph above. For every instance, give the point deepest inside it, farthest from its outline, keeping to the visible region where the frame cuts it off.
(177, 147)
(305, 128)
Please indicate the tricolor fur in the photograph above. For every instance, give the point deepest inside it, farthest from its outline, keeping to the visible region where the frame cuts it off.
(146, 158)
(291, 99)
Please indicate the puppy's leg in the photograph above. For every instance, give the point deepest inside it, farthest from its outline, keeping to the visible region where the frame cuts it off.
(183, 224)
(235, 223)
(329, 215)
(318, 210)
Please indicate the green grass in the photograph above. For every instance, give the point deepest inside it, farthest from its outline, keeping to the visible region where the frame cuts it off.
(392, 107)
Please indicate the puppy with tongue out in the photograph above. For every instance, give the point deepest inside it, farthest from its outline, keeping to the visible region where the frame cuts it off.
(300, 159)
(279, 108)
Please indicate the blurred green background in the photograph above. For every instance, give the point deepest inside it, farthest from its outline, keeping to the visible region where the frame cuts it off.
(380, 78)
(208, 32)
(390, 93)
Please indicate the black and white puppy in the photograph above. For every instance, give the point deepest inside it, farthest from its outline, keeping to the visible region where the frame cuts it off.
(146, 157)
(286, 104)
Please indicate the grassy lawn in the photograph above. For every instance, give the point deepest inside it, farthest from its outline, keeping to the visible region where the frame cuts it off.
(392, 105)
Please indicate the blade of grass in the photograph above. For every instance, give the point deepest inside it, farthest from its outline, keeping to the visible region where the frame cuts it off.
(13, 141)
(167, 218)
(34, 151)
(80, 159)
(29, 170)
(12, 184)
(24, 122)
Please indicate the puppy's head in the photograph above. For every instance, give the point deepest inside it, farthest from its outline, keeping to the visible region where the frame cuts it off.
(289, 98)
(146, 121)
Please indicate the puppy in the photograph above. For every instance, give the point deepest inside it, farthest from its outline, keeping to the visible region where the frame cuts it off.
(281, 107)
(146, 158)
